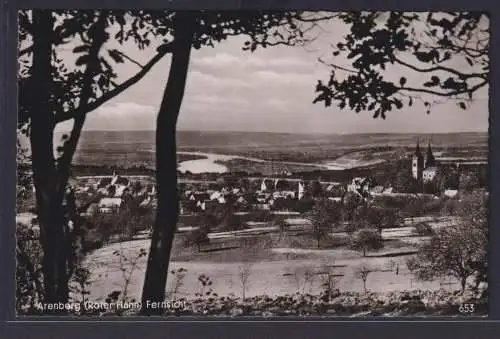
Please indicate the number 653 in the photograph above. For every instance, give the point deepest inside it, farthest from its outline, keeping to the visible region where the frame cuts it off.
(466, 308)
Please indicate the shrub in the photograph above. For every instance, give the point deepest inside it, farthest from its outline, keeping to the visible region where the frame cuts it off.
(423, 229)
(366, 239)
(198, 237)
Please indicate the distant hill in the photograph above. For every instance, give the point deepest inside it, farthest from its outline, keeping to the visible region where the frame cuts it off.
(137, 147)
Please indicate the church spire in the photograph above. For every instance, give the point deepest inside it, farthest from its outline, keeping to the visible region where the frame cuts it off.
(418, 153)
(430, 160)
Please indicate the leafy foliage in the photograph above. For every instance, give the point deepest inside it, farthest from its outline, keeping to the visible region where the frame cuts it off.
(366, 239)
(29, 277)
(458, 250)
(449, 49)
(325, 215)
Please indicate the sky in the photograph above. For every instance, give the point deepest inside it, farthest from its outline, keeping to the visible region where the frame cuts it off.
(270, 90)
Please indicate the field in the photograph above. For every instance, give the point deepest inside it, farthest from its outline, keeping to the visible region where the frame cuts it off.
(277, 264)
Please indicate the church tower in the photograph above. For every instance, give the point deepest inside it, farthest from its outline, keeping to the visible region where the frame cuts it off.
(430, 161)
(417, 163)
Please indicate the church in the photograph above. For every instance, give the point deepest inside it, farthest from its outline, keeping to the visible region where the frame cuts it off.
(424, 170)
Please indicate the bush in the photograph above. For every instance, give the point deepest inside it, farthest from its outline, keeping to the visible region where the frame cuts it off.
(423, 229)
(198, 237)
(29, 279)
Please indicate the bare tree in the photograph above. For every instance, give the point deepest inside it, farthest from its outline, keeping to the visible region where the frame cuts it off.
(244, 276)
(362, 273)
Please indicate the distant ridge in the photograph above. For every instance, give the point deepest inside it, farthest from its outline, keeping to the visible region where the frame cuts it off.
(284, 133)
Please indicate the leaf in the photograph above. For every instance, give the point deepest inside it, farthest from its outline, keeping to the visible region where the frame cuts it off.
(402, 81)
(469, 60)
(410, 103)
(462, 105)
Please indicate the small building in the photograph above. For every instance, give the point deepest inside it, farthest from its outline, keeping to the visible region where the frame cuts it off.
(450, 193)
(263, 207)
(377, 190)
(360, 186)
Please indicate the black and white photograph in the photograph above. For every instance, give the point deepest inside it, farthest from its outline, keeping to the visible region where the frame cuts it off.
(252, 163)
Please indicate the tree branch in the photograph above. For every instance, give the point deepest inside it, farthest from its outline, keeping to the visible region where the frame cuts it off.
(336, 66)
(440, 68)
(442, 94)
(27, 50)
(129, 59)
(86, 108)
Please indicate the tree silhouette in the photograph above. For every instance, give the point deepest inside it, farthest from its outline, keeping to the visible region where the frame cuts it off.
(449, 51)
(53, 90)
(196, 29)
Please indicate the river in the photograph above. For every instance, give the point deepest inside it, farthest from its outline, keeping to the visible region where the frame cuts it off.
(209, 163)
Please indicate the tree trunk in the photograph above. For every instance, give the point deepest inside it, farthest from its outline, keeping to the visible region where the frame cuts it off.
(166, 168)
(463, 284)
(49, 208)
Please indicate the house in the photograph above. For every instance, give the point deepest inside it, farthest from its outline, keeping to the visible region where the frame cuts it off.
(267, 185)
(104, 182)
(118, 180)
(387, 190)
(242, 201)
(360, 186)
(216, 196)
(145, 202)
(263, 197)
(450, 193)
(300, 190)
(377, 190)
(109, 205)
(120, 190)
(334, 190)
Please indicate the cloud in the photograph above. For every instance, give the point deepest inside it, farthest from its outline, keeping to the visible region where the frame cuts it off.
(123, 116)
(276, 104)
(269, 77)
(224, 60)
(217, 99)
(197, 78)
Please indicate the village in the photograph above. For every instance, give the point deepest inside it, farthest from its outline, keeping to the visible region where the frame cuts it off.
(284, 193)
